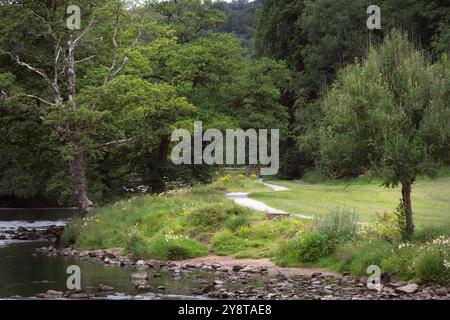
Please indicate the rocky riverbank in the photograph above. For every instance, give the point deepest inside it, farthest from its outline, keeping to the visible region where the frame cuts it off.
(51, 233)
(236, 280)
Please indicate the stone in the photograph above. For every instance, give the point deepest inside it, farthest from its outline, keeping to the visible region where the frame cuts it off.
(139, 276)
(104, 288)
(237, 268)
(54, 293)
(408, 289)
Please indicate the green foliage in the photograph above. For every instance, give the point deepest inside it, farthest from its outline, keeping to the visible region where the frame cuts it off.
(237, 221)
(209, 217)
(309, 247)
(400, 214)
(338, 226)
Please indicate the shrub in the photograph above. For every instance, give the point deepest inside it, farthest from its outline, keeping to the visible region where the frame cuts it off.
(235, 222)
(70, 233)
(433, 263)
(356, 258)
(309, 247)
(313, 246)
(339, 226)
(433, 267)
(209, 217)
(168, 247)
(288, 253)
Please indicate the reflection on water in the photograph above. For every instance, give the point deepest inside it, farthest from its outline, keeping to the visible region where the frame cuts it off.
(24, 274)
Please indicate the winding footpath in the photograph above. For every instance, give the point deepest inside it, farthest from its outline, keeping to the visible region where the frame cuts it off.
(242, 199)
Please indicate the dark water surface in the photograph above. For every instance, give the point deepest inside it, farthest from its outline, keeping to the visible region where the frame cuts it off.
(24, 274)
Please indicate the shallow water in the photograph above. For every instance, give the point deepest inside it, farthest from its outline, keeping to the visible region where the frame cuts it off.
(24, 274)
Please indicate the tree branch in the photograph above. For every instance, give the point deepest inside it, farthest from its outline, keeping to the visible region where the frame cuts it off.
(38, 71)
(117, 142)
(85, 59)
(37, 98)
(85, 31)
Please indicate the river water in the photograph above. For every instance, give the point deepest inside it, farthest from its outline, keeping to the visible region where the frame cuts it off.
(23, 274)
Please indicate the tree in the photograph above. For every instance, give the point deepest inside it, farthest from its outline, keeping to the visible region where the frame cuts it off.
(57, 66)
(389, 113)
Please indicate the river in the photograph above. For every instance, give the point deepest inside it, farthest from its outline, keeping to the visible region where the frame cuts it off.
(24, 274)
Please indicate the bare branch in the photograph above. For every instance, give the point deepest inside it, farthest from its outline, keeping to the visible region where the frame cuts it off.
(50, 29)
(37, 98)
(85, 31)
(85, 59)
(38, 71)
(117, 142)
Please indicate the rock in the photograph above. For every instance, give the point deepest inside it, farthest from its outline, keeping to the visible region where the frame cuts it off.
(441, 291)
(139, 276)
(141, 264)
(218, 282)
(316, 274)
(236, 268)
(104, 288)
(156, 275)
(161, 288)
(55, 294)
(143, 286)
(79, 295)
(2, 237)
(409, 288)
(207, 289)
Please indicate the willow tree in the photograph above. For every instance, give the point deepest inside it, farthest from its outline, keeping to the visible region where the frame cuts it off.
(390, 113)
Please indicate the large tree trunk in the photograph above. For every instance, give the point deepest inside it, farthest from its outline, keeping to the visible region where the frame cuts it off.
(406, 196)
(77, 171)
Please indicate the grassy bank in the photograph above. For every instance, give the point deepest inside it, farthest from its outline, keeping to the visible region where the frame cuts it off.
(194, 222)
(184, 223)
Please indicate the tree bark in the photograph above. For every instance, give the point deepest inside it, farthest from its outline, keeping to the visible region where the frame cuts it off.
(406, 196)
(78, 173)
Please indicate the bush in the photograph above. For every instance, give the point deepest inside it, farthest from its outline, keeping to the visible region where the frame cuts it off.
(356, 258)
(339, 226)
(167, 247)
(432, 267)
(209, 217)
(309, 247)
(313, 246)
(70, 233)
(234, 222)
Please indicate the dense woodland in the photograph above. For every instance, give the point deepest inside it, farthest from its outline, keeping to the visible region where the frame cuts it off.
(87, 114)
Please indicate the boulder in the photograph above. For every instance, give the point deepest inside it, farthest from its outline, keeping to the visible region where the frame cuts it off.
(408, 289)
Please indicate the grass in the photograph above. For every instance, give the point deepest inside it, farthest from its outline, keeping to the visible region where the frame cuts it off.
(430, 198)
(183, 224)
(194, 222)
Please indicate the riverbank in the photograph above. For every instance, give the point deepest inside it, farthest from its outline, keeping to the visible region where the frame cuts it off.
(200, 221)
(229, 278)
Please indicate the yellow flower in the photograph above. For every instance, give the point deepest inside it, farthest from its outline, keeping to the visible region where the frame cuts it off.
(183, 213)
(240, 175)
(244, 229)
(97, 221)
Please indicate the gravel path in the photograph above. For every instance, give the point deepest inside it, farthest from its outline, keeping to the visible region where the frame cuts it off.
(242, 199)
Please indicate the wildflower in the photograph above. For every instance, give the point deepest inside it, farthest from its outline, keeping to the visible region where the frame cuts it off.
(183, 213)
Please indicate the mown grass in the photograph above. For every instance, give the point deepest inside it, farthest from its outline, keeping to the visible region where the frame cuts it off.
(430, 198)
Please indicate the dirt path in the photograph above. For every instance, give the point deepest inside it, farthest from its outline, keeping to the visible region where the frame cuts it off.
(256, 263)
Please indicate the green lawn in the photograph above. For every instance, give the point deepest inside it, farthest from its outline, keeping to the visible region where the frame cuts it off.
(431, 199)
